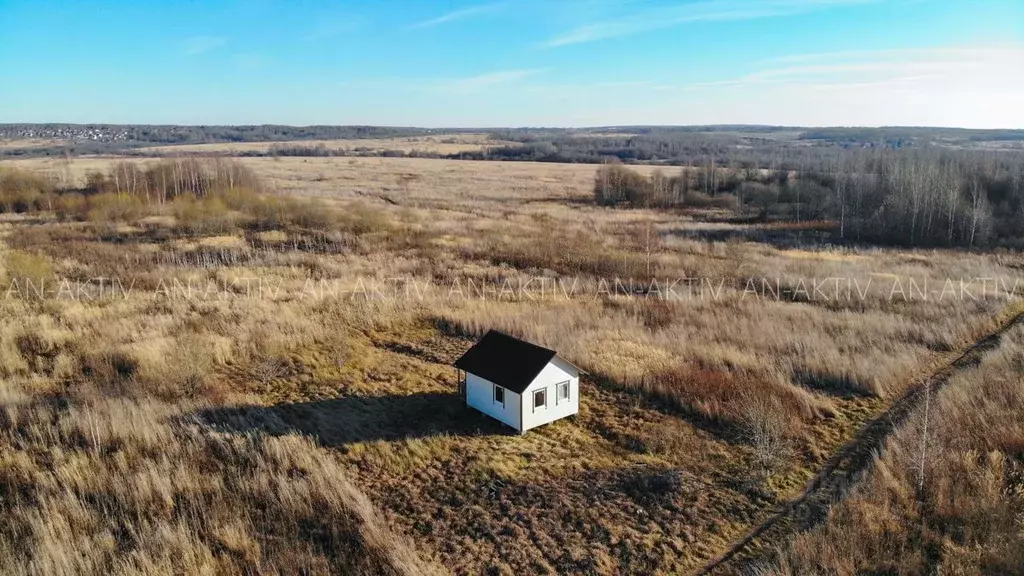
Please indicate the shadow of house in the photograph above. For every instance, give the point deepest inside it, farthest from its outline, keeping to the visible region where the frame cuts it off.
(341, 421)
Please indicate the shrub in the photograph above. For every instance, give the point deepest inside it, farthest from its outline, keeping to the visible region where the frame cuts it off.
(274, 213)
(28, 273)
(110, 370)
(765, 425)
(70, 206)
(241, 199)
(308, 214)
(359, 218)
(268, 214)
(107, 207)
(23, 191)
(203, 216)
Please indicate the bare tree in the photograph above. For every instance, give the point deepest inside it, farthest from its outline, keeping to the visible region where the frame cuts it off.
(952, 184)
(176, 176)
(660, 185)
(979, 208)
(765, 426)
(841, 179)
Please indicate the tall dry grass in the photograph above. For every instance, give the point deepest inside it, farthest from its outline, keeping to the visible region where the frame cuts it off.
(124, 486)
(947, 494)
(105, 469)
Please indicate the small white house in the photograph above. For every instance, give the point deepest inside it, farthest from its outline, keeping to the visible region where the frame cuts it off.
(518, 383)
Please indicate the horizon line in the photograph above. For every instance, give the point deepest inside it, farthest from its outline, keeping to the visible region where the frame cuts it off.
(522, 127)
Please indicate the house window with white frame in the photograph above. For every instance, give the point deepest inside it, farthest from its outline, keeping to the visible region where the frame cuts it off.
(562, 392)
(540, 399)
(499, 395)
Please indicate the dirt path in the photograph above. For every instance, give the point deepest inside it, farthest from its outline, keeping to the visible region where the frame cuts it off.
(844, 468)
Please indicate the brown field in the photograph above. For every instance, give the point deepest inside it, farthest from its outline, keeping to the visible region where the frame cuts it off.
(438, 144)
(21, 143)
(184, 425)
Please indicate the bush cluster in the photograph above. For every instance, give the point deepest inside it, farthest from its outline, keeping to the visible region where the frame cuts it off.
(205, 196)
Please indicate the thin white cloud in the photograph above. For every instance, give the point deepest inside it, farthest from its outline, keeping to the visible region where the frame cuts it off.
(923, 68)
(460, 14)
(449, 85)
(624, 90)
(200, 44)
(705, 11)
(487, 80)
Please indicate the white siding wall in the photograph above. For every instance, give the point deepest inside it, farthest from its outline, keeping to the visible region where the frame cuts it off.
(556, 371)
(480, 395)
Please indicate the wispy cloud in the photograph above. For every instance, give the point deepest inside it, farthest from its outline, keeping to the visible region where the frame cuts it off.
(907, 69)
(460, 14)
(200, 44)
(530, 80)
(487, 80)
(448, 85)
(705, 11)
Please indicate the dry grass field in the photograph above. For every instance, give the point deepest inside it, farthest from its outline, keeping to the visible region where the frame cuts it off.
(439, 144)
(13, 143)
(947, 496)
(297, 410)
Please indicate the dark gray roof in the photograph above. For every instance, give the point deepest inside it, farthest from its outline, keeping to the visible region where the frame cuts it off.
(505, 360)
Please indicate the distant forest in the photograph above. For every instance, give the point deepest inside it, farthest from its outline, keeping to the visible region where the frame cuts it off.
(743, 146)
(739, 146)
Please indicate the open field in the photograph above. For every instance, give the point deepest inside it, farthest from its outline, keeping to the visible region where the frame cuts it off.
(29, 143)
(439, 144)
(420, 182)
(326, 397)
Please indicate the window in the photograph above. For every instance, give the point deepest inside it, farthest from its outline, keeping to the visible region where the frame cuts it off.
(561, 391)
(540, 398)
(499, 395)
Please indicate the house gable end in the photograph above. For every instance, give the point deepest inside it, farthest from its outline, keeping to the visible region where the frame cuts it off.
(554, 371)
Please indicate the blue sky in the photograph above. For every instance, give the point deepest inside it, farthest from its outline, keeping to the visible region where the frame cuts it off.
(515, 62)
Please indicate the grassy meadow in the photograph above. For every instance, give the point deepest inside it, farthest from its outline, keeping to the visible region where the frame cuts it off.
(439, 144)
(256, 378)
